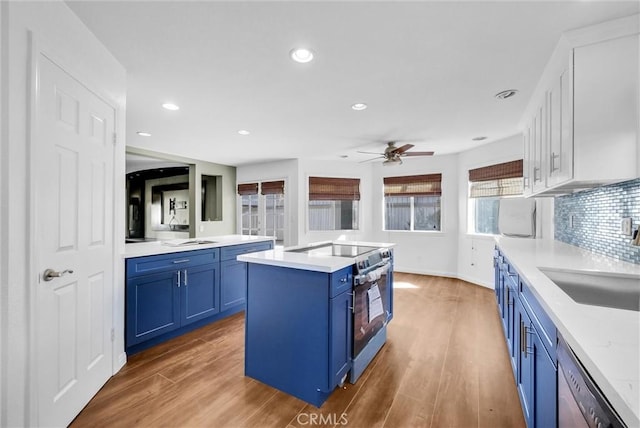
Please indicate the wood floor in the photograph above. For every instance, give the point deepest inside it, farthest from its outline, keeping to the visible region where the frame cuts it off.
(445, 364)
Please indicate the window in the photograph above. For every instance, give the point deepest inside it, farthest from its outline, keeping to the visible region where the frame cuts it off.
(487, 185)
(334, 203)
(262, 213)
(413, 202)
(249, 202)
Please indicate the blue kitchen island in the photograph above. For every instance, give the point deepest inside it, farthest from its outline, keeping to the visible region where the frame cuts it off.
(316, 315)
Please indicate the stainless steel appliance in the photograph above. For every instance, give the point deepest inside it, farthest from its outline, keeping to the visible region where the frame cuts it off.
(580, 402)
(371, 296)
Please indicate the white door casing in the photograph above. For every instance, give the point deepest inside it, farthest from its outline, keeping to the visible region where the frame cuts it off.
(73, 175)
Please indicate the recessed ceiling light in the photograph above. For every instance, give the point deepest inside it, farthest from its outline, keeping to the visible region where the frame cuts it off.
(244, 132)
(344, 156)
(478, 138)
(170, 106)
(503, 95)
(143, 134)
(301, 55)
(359, 106)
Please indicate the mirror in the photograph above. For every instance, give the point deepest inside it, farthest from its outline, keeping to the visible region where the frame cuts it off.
(170, 206)
(211, 198)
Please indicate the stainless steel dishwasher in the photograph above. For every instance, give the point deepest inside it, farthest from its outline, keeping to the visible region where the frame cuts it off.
(580, 401)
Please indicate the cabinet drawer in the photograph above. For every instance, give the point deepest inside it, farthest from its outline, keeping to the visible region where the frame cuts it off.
(341, 281)
(150, 264)
(541, 321)
(232, 251)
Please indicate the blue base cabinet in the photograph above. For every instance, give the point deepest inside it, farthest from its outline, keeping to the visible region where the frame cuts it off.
(170, 294)
(298, 329)
(531, 340)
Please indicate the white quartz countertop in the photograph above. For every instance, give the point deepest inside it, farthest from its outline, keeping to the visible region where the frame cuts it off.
(606, 340)
(178, 245)
(306, 261)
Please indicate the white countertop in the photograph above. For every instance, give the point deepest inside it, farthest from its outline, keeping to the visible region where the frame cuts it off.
(306, 261)
(606, 340)
(174, 246)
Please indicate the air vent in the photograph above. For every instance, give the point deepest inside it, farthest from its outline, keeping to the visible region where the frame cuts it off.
(506, 94)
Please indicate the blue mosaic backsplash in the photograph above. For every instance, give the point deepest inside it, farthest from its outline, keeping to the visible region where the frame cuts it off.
(597, 215)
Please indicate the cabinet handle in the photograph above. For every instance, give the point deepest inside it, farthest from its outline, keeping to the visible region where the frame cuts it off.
(521, 338)
(353, 302)
(553, 162)
(527, 349)
(536, 174)
(178, 282)
(175, 262)
(185, 277)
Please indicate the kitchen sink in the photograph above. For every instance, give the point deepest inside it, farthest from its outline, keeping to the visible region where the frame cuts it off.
(613, 290)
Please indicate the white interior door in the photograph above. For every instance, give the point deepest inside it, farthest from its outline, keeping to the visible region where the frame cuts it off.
(73, 171)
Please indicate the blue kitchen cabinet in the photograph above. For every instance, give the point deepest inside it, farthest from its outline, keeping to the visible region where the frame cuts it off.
(531, 339)
(298, 329)
(233, 280)
(200, 293)
(233, 273)
(170, 291)
(152, 306)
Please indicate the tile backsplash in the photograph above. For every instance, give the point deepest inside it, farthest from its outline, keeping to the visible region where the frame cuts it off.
(597, 215)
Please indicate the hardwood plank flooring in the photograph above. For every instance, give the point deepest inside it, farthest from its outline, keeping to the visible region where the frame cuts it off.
(445, 364)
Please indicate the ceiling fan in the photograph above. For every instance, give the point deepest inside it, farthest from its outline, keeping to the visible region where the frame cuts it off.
(393, 155)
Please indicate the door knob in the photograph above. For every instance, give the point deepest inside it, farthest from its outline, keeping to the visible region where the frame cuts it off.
(49, 274)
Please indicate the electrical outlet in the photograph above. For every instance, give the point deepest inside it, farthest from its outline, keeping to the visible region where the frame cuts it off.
(626, 226)
(571, 221)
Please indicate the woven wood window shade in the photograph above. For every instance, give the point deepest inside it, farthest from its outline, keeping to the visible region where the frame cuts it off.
(248, 189)
(504, 179)
(334, 189)
(272, 187)
(413, 185)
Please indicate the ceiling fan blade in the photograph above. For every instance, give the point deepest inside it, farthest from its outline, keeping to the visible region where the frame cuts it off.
(402, 149)
(370, 153)
(418, 154)
(369, 160)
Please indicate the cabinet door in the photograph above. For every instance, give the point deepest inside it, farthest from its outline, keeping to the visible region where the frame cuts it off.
(527, 164)
(544, 385)
(510, 316)
(539, 137)
(560, 153)
(233, 284)
(200, 288)
(524, 375)
(152, 306)
(340, 338)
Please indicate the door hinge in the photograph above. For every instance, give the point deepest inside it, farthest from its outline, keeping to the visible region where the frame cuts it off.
(113, 335)
(115, 138)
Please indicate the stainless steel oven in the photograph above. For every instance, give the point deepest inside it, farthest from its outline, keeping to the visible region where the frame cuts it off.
(371, 297)
(580, 402)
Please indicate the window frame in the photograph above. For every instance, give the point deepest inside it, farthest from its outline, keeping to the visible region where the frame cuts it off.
(357, 215)
(412, 213)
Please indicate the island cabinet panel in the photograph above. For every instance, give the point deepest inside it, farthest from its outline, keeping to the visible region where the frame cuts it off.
(298, 338)
(531, 338)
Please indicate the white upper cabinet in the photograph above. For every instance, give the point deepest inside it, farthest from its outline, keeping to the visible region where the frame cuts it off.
(581, 127)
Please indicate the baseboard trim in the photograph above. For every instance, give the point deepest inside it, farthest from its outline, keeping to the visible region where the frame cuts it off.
(466, 278)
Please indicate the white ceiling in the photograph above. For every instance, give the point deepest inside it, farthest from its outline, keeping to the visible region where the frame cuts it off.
(428, 71)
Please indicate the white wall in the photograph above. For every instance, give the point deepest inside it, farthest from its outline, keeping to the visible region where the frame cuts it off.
(338, 169)
(475, 252)
(431, 253)
(63, 34)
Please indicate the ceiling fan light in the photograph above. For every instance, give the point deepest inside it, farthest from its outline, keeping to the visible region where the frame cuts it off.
(391, 162)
